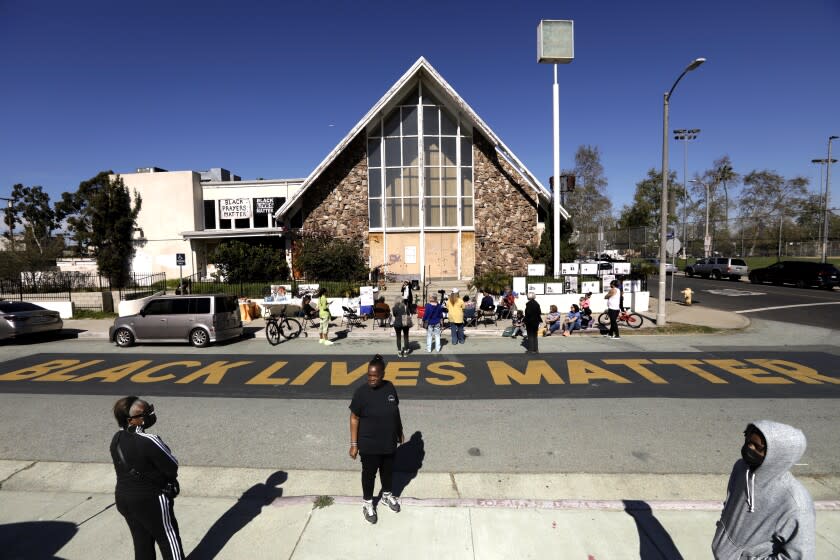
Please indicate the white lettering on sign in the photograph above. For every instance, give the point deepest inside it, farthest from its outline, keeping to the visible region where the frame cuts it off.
(264, 205)
(734, 293)
(234, 208)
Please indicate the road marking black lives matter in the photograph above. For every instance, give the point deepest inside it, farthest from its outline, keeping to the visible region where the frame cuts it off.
(697, 375)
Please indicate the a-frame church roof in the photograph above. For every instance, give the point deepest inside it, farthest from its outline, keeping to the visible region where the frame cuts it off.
(447, 95)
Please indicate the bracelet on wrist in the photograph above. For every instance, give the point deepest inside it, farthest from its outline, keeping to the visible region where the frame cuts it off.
(354, 444)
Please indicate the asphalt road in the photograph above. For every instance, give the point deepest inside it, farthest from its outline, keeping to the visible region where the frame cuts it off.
(766, 301)
(564, 411)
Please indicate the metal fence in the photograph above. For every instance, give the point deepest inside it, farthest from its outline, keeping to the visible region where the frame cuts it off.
(143, 285)
(747, 237)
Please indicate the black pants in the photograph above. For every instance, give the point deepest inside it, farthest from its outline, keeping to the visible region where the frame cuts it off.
(533, 339)
(370, 464)
(151, 520)
(402, 338)
(613, 313)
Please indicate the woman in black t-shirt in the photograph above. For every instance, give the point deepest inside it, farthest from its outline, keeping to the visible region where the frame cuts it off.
(375, 431)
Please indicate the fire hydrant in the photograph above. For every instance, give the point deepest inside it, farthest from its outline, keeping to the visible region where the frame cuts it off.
(687, 296)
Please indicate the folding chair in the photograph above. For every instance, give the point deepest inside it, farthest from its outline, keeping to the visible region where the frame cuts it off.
(381, 317)
(487, 315)
(350, 318)
(470, 317)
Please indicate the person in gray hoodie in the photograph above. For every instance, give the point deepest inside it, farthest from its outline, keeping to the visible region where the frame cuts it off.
(768, 514)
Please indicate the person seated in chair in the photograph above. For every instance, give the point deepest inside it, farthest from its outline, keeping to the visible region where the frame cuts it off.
(572, 321)
(307, 310)
(469, 311)
(487, 303)
(381, 311)
(552, 320)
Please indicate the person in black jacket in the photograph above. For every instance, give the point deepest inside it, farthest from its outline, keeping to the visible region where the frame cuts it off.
(533, 319)
(147, 474)
(375, 431)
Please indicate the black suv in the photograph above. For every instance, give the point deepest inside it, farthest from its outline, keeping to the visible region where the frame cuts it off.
(800, 273)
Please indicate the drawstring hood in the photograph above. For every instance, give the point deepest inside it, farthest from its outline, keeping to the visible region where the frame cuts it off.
(782, 520)
(750, 489)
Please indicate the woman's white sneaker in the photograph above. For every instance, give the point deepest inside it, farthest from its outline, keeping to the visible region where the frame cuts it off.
(391, 501)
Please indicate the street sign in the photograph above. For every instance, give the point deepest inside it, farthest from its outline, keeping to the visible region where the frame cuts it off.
(180, 259)
(673, 246)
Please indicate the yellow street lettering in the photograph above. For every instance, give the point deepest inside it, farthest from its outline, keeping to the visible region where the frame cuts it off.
(213, 373)
(639, 367)
(751, 374)
(38, 369)
(694, 367)
(535, 371)
(402, 374)
(439, 368)
(582, 372)
(308, 373)
(265, 376)
(341, 377)
(801, 373)
(147, 377)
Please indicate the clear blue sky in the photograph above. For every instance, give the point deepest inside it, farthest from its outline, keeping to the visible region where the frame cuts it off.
(267, 89)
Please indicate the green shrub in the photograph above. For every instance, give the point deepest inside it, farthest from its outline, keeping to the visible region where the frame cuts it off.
(328, 258)
(494, 281)
(237, 261)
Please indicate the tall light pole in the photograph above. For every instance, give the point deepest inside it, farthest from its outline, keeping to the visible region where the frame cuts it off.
(822, 195)
(663, 211)
(827, 198)
(556, 45)
(685, 135)
(707, 241)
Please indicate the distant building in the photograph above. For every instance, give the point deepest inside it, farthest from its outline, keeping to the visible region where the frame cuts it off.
(421, 181)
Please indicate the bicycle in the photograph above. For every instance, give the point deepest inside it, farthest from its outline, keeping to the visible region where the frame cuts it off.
(277, 326)
(629, 318)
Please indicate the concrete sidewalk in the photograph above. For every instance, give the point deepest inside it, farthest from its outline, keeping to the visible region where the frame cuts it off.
(677, 313)
(66, 509)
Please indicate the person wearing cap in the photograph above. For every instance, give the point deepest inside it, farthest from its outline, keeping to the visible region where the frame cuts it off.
(147, 481)
(455, 313)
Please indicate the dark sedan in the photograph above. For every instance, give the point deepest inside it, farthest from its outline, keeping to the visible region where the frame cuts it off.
(20, 318)
(799, 273)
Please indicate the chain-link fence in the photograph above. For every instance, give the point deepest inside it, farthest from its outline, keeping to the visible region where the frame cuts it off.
(762, 236)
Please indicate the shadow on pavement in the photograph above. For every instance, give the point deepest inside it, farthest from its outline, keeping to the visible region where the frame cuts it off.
(654, 541)
(35, 540)
(248, 506)
(407, 462)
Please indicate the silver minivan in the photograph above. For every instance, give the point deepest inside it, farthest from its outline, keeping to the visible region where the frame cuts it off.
(718, 267)
(199, 319)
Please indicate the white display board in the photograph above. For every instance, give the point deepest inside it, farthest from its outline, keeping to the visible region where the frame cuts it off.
(234, 208)
(630, 286)
(365, 295)
(554, 288)
(572, 285)
(538, 288)
(606, 279)
(621, 268)
(568, 268)
(410, 254)
(536, 270)
(519, 284)
(589, 268)
(311, 288)
(593, 286)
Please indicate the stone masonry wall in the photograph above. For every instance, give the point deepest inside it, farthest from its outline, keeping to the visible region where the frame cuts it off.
(505, 212)
(336, 204)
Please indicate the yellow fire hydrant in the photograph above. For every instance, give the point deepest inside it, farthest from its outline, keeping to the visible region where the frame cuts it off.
(687, 296)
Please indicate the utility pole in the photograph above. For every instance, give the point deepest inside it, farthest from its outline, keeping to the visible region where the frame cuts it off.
(827, 198)
(685, 135)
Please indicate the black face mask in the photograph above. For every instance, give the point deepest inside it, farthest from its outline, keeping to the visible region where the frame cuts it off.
(149, 417)
(751, 457)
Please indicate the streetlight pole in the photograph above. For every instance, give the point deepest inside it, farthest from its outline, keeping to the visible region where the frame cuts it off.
(685, 135)
(821, 162)
(663, 211)
(827, 198)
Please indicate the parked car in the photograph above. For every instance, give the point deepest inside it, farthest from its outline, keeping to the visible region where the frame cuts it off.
(800, 273)
(718, 267)
(20, 318)
(670, 268)
(197, 319)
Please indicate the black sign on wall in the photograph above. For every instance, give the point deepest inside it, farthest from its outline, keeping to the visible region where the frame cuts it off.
(267, 205)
